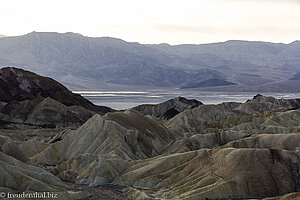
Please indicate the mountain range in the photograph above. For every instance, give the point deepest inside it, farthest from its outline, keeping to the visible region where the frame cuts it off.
(82, 62)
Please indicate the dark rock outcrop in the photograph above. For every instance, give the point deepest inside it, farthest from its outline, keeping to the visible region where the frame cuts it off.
(45, 112)
(19, 85)
(168, 109)
(261, 103)
(27, 99)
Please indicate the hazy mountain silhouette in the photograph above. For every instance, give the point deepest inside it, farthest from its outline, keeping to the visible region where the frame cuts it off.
(83, 62)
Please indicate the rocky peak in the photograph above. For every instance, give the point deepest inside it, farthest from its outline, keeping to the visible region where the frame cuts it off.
(261, 103)
(192, 102)
(287, 103)
(168, 109)
(19, 85)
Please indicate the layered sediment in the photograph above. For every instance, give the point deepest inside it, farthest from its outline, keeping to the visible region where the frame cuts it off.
(231, 150)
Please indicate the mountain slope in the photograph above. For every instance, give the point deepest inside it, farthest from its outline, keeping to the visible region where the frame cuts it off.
(19, 85)
(95, 61)
(104, 63)
(256, 53)
(17, 176)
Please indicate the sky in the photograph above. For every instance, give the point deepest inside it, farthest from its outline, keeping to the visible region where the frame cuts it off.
(157, 21)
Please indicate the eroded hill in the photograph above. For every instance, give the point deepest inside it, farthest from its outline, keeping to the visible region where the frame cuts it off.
(231, 150)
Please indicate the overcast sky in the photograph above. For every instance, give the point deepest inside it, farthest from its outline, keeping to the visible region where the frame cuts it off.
(157, 21)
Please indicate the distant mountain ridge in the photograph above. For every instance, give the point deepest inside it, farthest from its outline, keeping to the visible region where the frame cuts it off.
(107, 63)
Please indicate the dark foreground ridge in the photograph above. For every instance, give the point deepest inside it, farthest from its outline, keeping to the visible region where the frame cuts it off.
(179, 149)
(18, 85)
(32, 100)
